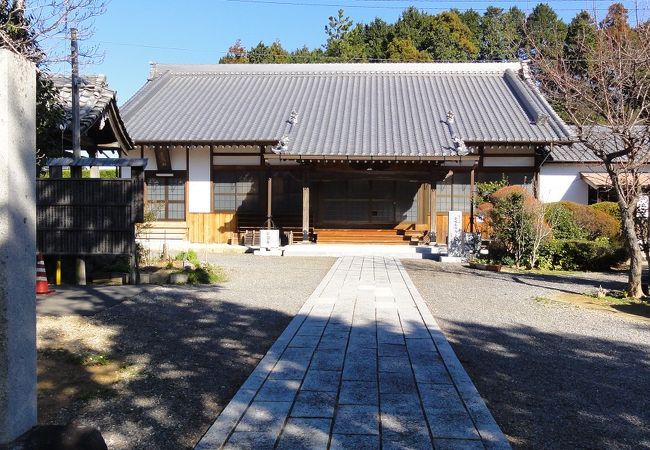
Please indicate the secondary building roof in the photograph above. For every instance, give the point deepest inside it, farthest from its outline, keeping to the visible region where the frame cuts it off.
(600, 180)
(580, 153)
(100, 119)
(343, 109)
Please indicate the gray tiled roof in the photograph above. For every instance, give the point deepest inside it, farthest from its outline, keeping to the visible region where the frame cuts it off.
(579, 153)
(343, 109)
(572, 153)
(94, 97)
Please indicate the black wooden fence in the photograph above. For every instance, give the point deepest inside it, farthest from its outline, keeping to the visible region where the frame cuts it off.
(88, 216)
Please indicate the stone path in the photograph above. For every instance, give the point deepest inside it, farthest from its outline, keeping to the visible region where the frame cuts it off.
(363, 365)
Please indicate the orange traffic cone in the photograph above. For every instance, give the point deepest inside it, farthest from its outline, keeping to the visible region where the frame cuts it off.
(41, 277)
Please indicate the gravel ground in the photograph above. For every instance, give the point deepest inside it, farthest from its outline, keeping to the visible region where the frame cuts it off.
(553, 375)
(183, 352)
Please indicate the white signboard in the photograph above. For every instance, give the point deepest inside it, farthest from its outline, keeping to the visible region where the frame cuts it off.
(455, 234)
(269, 239)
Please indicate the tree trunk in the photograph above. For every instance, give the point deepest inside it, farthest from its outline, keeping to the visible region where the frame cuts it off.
(634, 286)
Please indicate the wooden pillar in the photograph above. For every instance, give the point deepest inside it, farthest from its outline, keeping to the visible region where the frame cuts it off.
(56, 172)
(433, 212)
(269, 201)
(471, 200)
(305, 211)
(421, 203)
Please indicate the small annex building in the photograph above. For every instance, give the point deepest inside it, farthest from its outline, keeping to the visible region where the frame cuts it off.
(326, 150)
(572, 172)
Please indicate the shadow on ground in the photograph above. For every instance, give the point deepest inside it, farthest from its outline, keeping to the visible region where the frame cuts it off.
(552, 375)
(196, 352)
(608, 280)
(543, 390)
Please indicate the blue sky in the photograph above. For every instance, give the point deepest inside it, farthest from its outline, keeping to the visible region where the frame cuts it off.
(133, 32)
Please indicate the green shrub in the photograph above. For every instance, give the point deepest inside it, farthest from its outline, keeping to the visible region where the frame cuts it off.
(587, 223)
(518, 226)
(580, 254)
(189, 255)
(563, 222)
(205, 274)
(485, 189)
(610, 208)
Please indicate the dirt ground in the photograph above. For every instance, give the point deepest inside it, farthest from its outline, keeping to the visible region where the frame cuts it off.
(155, 370)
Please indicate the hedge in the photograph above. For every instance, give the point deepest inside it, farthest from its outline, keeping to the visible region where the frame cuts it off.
(575, 221)
(610, 208)
(580, 254)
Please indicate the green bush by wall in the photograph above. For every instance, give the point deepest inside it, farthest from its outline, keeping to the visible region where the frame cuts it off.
(581, 254)
(610, 208)
(575, 221)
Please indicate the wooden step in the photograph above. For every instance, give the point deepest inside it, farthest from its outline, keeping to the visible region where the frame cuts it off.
(164, 230)
(361, 236)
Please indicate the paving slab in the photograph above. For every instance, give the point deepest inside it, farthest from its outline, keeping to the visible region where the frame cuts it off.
(362, 365)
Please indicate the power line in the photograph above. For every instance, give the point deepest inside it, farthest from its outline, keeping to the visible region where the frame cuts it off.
(424, 8)
(410, 2)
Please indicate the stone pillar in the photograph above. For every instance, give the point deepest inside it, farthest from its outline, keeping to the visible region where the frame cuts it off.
(17, 246)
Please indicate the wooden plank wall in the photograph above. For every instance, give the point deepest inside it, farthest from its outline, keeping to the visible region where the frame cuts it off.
(87, 215)
(211, 228)
(167, 230)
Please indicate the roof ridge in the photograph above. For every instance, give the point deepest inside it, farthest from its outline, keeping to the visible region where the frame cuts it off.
(339, 68)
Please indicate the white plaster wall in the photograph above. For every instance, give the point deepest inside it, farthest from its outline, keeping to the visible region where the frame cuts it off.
(17, 246)
(559, 182)
(200, 192)
(178, 156)
(151, 156)
(126, 171)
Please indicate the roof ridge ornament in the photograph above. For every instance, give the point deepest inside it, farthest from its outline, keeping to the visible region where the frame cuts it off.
(461, 148)
(283, 144)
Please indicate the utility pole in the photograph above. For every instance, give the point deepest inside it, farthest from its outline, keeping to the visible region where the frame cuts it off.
(75, 171)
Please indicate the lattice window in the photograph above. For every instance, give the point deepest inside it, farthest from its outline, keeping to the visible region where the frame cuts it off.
(166, 197)
(237, 191)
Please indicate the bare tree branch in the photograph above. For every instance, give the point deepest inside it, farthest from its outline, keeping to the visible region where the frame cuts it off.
(607, 98)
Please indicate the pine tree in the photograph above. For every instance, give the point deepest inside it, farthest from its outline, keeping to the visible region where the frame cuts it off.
(579, 43)
(376, 36)
(259, 54)
(345, 40)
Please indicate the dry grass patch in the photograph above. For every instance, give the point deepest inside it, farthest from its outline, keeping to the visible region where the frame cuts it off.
(612, 302)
